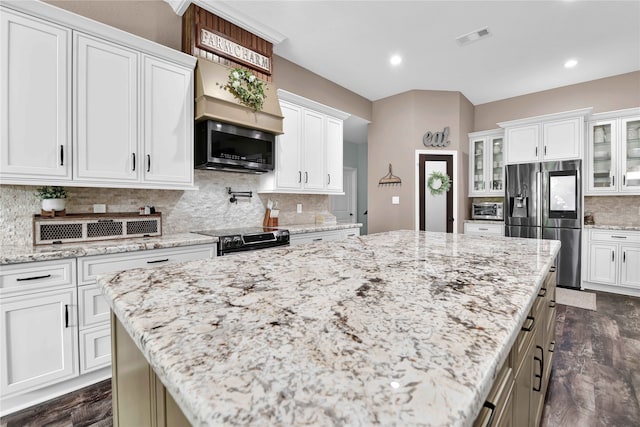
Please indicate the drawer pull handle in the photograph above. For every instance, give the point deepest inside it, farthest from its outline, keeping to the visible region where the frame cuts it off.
(158, 261)
(133, 162)
(530, 327)
(62, 155)
(329, 181)
(490, 406)
(613, 256)
(66, 315)
(618, 237)
(299, 177)
(148, 162)
(351, 235)
(624, 256)
(318, 239)
(306, 177)
(483, 229)
(552, 269)
(23, 279)
(542, 293)
(552, 304)
(552, 346)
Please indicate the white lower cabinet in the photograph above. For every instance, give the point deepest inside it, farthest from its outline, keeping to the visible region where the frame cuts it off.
(323, 236)
(483, 229)
(54, 325)
(613, 261)
(39, 340)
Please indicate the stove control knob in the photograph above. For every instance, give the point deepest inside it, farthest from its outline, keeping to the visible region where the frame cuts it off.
(226, 242)
(237, 241)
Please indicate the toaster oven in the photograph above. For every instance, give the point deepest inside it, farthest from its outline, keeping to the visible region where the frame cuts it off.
(487, 210)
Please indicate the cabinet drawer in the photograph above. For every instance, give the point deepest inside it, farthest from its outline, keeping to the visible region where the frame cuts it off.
(615, 236)
(93, 308)
(484, 229)
(90, 267)
(95, 348)
(498, 397)
(37, 275)
(527, 333)
(321, 236)
(351, 232)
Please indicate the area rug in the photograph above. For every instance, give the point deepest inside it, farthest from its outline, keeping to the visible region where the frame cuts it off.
(580, 299)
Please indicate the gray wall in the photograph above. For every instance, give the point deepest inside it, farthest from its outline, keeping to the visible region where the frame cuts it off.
(355, 156)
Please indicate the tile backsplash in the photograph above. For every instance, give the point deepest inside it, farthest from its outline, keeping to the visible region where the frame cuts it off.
(191, 210)
(614, 210)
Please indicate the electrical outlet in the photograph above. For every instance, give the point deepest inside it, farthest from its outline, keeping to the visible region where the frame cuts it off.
(395, 200)
(299, 208)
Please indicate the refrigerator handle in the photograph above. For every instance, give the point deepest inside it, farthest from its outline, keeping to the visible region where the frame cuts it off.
(539, 183)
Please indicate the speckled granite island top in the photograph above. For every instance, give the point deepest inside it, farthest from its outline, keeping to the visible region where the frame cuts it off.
(398, 328)
(15, 254)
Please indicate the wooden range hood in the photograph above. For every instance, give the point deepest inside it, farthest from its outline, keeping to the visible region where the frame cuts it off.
(214, 102)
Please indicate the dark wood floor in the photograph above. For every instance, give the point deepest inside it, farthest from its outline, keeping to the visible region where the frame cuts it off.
(595, 379)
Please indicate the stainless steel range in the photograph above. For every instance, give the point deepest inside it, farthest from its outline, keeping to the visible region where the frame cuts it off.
(232, 240)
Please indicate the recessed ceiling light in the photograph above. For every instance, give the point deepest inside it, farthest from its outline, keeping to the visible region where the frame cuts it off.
(571, 63)
(395, 60)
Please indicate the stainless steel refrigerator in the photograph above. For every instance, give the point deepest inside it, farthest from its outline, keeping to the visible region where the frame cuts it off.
(544, 201)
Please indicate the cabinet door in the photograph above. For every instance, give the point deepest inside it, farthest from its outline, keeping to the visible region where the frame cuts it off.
(95, 348)
(105, 111)
(522, 144)
(630, 155)
(334, 155)
(38, 337)
(35, 106)
(495, 167)
(601, 157)
(602, 263)
(168, 123)
(314, 151)
(477, 159)
(288, 169)
(630, 266)
(562, 140)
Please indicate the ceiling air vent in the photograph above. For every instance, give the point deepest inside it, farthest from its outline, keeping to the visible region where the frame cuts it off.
(473, 36)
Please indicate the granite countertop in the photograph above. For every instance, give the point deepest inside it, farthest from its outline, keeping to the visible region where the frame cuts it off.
(15, 254)
(397, 328)
(614, 227)
(313, 228)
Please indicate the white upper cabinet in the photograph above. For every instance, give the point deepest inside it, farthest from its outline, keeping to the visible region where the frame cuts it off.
(545, 138)
(105, 111)
(486, 163)
(35, 106)
(168, 123)
(132, 118)
(613, 153)
(309, 156)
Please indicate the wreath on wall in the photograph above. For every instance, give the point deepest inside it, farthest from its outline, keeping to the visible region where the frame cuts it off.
(246, 87)
(438, 183)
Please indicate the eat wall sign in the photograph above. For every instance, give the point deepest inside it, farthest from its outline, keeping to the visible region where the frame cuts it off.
(436, 139)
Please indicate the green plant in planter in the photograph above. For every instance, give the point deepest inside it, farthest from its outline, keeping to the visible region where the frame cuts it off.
(46, 192)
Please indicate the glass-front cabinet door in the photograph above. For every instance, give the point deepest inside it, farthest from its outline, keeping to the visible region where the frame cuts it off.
(495, 145)
(478, 167)
(630, 155)
(602, 156)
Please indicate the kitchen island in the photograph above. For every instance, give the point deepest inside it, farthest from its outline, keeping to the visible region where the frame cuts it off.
(397, 328)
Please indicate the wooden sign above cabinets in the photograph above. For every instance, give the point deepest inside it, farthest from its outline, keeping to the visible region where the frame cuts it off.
(208, 36)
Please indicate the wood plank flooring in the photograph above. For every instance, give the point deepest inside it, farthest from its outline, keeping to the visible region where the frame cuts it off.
(595, 379)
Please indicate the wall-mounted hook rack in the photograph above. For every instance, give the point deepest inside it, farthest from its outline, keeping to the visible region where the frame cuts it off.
(236, 194)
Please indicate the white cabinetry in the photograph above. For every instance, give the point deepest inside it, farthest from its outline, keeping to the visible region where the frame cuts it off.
(105, 111)
(35, 106)
(323, 236)
(132, 121)
(613, 261)
(38, 329)
(545, 138)
(486, 164)
(309, 152)
(484, 229)
(613, 153)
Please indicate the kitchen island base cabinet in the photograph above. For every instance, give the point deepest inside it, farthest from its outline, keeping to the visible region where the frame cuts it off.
(139, 397)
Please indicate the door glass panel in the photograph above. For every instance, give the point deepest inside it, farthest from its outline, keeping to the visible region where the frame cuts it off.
(497, 167)
(602, 163)
(478, 165)
(632, 177)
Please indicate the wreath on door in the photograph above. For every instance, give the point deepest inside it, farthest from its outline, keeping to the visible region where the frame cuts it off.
(438, 183)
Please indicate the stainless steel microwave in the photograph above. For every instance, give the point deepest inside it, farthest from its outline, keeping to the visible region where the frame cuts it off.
(487, 210)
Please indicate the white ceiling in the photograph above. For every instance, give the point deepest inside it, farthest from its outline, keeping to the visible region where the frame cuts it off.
(350, 42)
